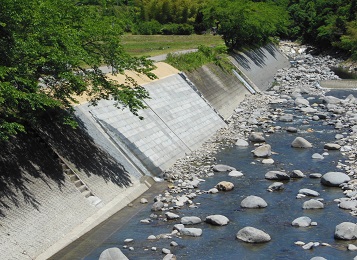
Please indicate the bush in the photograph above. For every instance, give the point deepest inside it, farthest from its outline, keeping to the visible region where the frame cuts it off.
(147, 28)
(177, 29)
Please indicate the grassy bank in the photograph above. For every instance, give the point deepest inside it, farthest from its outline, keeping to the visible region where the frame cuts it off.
(152, 45)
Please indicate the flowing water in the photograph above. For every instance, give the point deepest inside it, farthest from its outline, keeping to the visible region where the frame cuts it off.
(283, 207)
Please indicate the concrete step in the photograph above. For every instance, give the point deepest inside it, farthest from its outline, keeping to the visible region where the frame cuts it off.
(78, 183)
(73, 178)
(82, 188)
(87, 193)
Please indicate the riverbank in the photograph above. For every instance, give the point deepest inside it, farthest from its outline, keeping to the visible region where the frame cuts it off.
(298, 90)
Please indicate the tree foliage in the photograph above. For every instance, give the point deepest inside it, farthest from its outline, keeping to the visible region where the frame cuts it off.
(52, 51)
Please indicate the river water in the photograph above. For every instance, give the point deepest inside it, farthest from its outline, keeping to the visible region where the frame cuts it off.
(283, 206)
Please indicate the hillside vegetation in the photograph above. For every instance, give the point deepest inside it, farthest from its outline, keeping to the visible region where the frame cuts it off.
(51, 50)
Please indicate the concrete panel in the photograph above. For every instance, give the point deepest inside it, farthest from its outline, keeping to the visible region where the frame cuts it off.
(260, 64)
(221, 89)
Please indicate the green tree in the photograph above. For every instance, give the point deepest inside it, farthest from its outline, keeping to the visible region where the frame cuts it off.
(51, 51)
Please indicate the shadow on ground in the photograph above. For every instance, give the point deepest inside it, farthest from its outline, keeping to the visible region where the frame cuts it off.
(32, 156)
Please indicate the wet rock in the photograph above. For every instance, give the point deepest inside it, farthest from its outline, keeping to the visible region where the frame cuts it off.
(300, 142)
(241, 143)
(301, 222)
(346, 231)
(213, 191)
(223, 168)
(332, 146)
(276, 186)
(112, 253)
(309, 192)
(300, 101)
(313, 204)
(256, 137)
(143, 201)
(169, 257)
(166, 251)
(217, 220)
(267, 161)
(334, 179)
(318, 258)
(151, 237)
(276, 175)
(315, 175)
(173, 243)
(225, 186)
(253, 202)
(170, 215)
(193, 232)
(292, 129)
(262, 151)
(253, 235)
(317, 156)
(190, 220)
(297, 174)
(158, 205)
(308, 246)
(352, 247)
(235, 174)
(178, 227)
(348, 204)
(331, 100)
(286, 118)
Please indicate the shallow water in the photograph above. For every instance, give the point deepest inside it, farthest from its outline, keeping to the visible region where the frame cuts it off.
(283, 207)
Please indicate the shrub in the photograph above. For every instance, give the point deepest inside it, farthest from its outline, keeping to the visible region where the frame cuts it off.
(177, 29)
(147, 28)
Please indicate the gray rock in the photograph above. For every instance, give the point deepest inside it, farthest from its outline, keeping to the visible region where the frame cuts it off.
(300, 142)
(242, 143)
(291, 129)
(158, 205)
(332, 100)
(301, 101)
(301, 222)
(173, 243)
(170, 215)
(253, 235)
(235, 174)
(286, 118)
(225, 186)
(166, 251)
(217, 220)
(112, 253)
(309, 192)
(297, 174)
(315, 175)
(190, 220)
(276, 186)
(348, 204)
(334, 179)
(276, 175)
(332, 146)
(262, 151)
(318, 258)
(178, 227)
(223, 168)
(253, 202)
(317, 156)
(346, 231)
(312, 204)
(268, 161)
(193, 232)
(256, 137)
(169, 257)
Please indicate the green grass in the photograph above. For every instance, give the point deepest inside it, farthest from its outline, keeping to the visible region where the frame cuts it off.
(153, 45)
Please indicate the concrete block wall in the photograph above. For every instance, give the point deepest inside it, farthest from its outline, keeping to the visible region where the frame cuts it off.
(261, 64)
(176, 121)
(221, 89)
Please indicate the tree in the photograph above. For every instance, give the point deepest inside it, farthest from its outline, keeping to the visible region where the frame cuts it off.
(51, 51)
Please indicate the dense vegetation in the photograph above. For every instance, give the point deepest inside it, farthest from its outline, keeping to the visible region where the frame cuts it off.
(51, 50)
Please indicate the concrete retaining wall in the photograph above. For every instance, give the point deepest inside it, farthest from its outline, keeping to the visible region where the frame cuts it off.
(221, 89)
(261, 64)
(176, 121)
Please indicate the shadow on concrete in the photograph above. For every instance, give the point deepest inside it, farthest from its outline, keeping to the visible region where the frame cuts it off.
(30, 157)
(22, 160)
(257, 56)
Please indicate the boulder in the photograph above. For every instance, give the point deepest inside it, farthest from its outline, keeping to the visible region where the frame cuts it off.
(112, 253)
(313, 204)
(334, 179)
(242, 143)
(268, 161)
(286, 118)
(276, 186)
(169, 257)
(158, 205)
(190, 220)
(300, 142)
(348, 204)
(235, 174)
(317, 156)
(223, 168)
(193, 232)
(170, 215)
(301, 222)
(225, 186)
(331, 100)
(256, 137)
(300, 101)
(309, 192)
(253, 235)
(217, 220)
(315, 175)
(332, 146)
(292, 129)
(346, 231)
(253, 202)
(297, 174)
(276, 175)
(262, 151)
